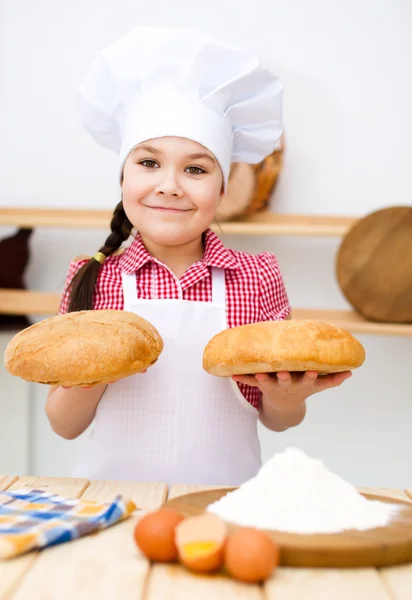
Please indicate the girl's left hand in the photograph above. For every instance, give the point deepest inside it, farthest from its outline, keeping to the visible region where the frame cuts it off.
(292, 387)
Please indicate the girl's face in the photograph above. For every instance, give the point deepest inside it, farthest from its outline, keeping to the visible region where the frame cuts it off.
(171, 189)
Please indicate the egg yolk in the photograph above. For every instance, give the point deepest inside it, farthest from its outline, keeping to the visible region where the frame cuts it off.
(194, 549)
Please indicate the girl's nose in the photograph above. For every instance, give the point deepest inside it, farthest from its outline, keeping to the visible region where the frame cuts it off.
(168, 187)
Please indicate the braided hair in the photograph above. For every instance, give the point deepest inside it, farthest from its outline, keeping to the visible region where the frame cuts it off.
(83, 284)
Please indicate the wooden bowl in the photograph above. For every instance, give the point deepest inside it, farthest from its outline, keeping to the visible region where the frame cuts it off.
(250, 186)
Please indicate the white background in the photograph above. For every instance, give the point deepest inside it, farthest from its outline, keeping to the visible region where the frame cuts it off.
(348, 97)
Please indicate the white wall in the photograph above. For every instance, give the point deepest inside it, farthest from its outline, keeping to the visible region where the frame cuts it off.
(348, 93)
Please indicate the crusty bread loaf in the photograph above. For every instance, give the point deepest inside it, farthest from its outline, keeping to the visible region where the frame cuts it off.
(84, 348)
(291, 345)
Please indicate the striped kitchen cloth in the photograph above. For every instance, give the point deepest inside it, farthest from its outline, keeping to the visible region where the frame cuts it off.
(34, 519)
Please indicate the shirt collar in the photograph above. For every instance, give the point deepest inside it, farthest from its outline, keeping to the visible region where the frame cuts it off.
(134, 257)
(216, 255)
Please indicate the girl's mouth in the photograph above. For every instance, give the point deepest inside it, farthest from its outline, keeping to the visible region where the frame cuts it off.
(169, 209)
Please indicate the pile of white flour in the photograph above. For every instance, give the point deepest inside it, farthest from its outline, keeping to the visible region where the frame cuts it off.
(298, 494)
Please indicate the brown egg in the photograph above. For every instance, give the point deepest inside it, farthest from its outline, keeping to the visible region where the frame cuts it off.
(250, 555)
(155, 534)
(200, 541)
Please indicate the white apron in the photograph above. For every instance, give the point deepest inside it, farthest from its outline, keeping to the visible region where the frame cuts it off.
(175, 423)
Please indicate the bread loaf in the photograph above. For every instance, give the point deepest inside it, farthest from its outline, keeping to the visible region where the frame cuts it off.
(84, 348)
(291, 345)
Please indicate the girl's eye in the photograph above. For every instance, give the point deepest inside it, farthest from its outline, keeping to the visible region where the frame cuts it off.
(150, 164)
(195, 170)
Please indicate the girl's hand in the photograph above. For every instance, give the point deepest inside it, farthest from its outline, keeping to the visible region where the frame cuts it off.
(89, 387)
(285, 391)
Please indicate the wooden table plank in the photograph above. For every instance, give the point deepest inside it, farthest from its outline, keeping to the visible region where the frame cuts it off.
(395, 493)
(144, 495)
(173, 582)
(408, 492)
(106, 565)
(12, 571)
(398, 581)
(333, 584)
(64, 486)
(180, 489)
(6, 481)
(89, 568)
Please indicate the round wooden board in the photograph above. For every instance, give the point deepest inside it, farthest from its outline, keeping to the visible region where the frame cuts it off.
(383, 546)
(374, 265)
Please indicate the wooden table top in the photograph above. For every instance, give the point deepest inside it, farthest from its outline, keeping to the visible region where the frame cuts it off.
(109, 566)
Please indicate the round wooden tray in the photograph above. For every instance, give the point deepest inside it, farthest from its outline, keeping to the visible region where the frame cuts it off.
(374, 265)
(382, 546)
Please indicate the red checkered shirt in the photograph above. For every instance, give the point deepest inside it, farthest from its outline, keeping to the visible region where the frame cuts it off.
(254, 286)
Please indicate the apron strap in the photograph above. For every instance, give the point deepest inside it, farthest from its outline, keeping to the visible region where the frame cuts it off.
(218, 287)
(129, 288)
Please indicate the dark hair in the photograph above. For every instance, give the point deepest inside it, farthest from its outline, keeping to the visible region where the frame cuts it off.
(83, 283)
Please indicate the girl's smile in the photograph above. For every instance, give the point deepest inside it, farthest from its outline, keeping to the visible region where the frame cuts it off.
(169, 209)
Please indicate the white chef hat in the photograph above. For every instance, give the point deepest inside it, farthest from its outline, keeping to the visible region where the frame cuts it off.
(157, 82)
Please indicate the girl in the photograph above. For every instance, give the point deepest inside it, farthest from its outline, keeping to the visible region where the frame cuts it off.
(179, 107)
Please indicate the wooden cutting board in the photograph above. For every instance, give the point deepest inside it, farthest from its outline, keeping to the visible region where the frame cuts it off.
(374, 265)
(377, 547)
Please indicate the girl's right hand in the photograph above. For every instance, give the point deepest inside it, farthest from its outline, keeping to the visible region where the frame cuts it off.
(89, 387)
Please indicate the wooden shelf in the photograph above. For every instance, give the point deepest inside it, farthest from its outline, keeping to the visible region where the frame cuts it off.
(264, 223)
(353, 321)
(27, 302)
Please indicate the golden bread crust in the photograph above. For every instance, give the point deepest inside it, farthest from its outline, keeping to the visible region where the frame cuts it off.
(289, 345)
(84, 348)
